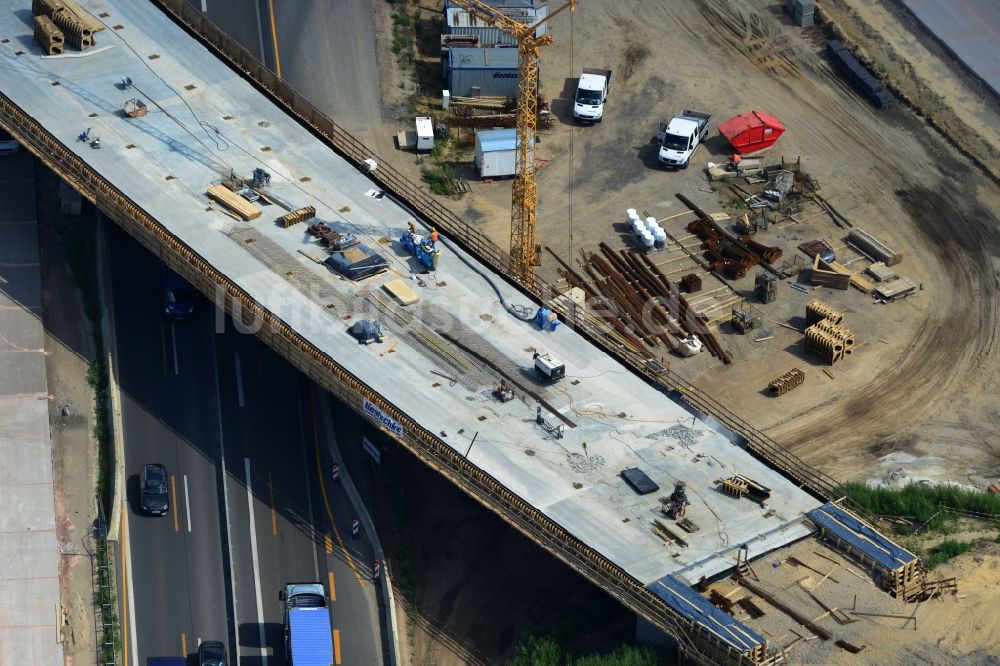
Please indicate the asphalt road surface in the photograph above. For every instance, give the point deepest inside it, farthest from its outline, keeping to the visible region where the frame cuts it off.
(323, 49)
(211, 569)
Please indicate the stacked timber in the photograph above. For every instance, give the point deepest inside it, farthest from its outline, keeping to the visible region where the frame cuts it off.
(786, 382)
(76, 33)
(831, 342)
(74, 24)
(47, 7)
(48, 35)
(817, 310)
(872, 247)
(235, 203)
(296, 216)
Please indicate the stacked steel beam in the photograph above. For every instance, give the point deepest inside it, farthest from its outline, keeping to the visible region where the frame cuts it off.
(643, 304)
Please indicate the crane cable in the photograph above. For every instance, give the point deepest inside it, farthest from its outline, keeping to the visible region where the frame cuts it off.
(572, 139)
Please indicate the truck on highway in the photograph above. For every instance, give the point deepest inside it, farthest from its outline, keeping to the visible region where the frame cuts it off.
(591, 94)
(681, 136)
(308, 638)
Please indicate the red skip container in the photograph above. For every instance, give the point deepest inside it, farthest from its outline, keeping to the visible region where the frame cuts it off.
(750, 132)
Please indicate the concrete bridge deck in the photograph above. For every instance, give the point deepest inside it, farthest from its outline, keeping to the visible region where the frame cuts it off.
(206, 122)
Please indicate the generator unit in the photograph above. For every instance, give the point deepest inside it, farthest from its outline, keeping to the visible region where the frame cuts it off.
(548, 369)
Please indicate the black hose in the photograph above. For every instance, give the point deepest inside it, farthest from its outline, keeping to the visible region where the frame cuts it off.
(522, 312)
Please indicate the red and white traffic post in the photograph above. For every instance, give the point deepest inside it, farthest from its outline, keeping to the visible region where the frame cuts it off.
(335, 471)
(377, 570)
(355, 527)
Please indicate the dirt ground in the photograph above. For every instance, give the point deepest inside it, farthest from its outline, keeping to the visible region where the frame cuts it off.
(882, 629)
(69, 350)
(916, 400)
(922, 395)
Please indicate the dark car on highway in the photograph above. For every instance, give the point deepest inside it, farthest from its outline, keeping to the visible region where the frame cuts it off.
(154, 499)
(178, 295)
(212, 653)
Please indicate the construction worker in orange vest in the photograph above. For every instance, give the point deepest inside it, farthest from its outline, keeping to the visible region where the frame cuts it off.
(434, 236)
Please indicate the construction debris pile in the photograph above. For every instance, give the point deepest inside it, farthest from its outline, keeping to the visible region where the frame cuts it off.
(644, 308)
(60, 22)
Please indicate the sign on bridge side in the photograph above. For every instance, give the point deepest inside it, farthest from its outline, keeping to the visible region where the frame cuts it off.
(383, 419)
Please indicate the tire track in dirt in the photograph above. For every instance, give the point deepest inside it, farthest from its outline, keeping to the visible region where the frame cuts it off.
(956, 343)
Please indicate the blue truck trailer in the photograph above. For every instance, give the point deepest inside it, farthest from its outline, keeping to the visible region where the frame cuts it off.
(308, 637)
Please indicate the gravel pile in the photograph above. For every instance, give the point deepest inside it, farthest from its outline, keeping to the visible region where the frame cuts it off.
(685, 436)
(582, 464)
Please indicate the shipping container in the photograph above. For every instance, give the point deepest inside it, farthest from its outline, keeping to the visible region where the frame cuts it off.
(495, 152)
(482, 72)
(458, 21)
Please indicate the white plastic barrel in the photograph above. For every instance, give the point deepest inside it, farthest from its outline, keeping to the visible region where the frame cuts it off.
(631, 214)
(648, 240)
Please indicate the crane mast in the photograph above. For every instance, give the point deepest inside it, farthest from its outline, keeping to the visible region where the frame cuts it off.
(524, 200)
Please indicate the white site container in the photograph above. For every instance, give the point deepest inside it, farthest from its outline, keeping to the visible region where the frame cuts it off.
(425, 134)
(495, 152)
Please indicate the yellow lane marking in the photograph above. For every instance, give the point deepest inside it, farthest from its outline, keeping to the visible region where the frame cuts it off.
(336, 646)
(329, 511)
(333, 588)
(329, 543)
(184, 645)
(163, 348)
(274, 39)
(124, 597)
(274, 515)
(173, 495)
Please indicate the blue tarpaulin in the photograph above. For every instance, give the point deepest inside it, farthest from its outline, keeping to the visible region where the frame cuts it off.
(688, 602)
(842, 524)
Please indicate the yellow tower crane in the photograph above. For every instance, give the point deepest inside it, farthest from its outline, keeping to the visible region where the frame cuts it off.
(523, 252)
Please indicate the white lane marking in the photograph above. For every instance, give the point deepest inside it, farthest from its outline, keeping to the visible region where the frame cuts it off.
(225, 489)
(187, 502)
(239, 378)
(309, 501)
(204, 6)
(128, 582)
(199, 641)
(173, 343)
(256, 566)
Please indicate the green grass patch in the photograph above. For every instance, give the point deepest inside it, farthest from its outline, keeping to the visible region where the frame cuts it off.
(440, 179)
(922, 503)
(945, 551)
(546, 651)
(403, 31)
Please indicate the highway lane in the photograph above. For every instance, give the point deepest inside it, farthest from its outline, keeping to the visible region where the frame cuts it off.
(243, 20)
(325, 50)
(273, 436)
(176, 560)
(188, 397)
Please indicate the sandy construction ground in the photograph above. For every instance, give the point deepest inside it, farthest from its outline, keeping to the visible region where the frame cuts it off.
(917, 399)
(923, 396)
